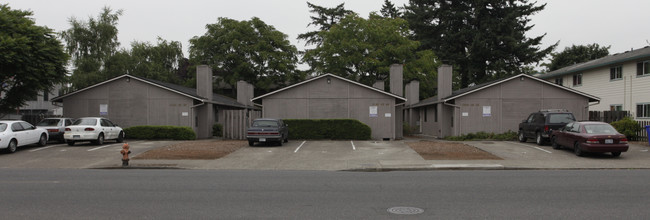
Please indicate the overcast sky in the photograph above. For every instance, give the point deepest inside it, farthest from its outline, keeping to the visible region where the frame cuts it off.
(622, 24)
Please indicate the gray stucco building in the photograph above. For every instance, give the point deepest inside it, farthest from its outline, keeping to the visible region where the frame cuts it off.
(129, 101)
(333, 97)
(497, 106)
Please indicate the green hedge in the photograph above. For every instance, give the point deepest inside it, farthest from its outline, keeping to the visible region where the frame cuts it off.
(217, 130)
(332, 129)
(627, 126)
(150, 132)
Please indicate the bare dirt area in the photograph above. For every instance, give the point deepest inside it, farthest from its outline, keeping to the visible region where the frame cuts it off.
(436, 150)
(194, 150)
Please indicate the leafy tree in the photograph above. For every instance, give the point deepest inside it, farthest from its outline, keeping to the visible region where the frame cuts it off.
(31, 58)
(388, 10)
(91, 44)
(323, 19)
(247, 50)
(484, 39)
(160, 62)
(576, 54)
(363, 50)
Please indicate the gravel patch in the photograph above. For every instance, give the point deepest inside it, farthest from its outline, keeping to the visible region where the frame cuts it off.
(437, 150)
(193, 150)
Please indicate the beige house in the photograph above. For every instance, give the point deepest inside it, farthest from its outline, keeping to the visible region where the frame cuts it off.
(621, 81)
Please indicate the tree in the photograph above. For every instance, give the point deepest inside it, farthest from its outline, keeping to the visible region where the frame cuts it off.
(388, 10)
(247, 50)
(31, 59)
(91, 44)
(483, 39)
(323, 19)
(159, 62)
(576, 54)
(363, 50)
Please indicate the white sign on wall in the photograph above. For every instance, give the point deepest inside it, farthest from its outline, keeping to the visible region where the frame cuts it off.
(103, 109)
(185, 113)
(465, 114)
(487, 111)
(388, 115)
(373, 111)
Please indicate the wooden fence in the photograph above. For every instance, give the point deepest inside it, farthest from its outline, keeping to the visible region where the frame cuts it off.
(237, 121)
(612, 116)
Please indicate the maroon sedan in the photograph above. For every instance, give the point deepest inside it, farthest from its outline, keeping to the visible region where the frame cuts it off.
(590, 136)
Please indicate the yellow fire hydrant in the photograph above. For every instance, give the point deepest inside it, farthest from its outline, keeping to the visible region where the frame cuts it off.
(125, 154)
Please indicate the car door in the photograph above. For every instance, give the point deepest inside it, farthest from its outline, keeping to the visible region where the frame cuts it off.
(527, 125)
(19, 134)
(561, 137)
(108, 128)
(574, 135)
(30, 132)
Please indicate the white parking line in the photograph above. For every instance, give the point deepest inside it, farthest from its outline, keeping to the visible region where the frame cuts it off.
(97, 148)
(303, 142)
(532, 147)
(42, 148)
(353, 147)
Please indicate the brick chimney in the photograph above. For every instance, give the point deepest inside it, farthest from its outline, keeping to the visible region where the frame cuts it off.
(397, 79)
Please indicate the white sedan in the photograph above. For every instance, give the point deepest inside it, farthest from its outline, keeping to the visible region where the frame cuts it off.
(16, 133)
(93, 129)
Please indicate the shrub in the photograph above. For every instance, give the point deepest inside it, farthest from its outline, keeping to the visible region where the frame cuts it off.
(627, 126)
(150, 132)
(507, 136)
(333, 129)
(408, 129)
(217, 130)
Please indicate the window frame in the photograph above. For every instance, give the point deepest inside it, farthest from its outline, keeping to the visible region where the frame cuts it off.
(645, 108)
(559, 81)
(577, 79)
(613, 107)
(615, 73)
(643, 68)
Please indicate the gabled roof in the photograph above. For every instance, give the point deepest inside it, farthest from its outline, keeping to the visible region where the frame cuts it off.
(333, 76)
(469, 90)
(178, 89)
(601, 62)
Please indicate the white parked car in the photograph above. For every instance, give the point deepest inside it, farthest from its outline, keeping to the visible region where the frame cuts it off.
(16, 133)
(93, 129)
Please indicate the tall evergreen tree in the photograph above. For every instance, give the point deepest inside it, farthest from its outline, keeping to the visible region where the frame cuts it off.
(483, 39)
(576, 54)
(323, 19)
(388, 10)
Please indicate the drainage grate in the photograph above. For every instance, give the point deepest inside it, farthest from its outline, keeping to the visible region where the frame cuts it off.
(405, 210)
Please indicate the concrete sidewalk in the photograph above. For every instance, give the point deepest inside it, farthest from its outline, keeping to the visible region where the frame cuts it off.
(396, 155)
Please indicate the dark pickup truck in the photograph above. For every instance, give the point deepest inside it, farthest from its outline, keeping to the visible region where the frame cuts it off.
(267, 130)
(539, 125)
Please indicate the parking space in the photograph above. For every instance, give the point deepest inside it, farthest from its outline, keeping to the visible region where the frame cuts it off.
(81, 155)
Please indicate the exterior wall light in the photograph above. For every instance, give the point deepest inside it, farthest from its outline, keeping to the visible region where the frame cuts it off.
(329, 80)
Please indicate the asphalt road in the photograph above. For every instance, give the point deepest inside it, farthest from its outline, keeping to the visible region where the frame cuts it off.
(222, 194)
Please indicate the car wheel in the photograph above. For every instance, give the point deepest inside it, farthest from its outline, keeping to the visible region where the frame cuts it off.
(286, 139)
(100, 139)
(70, 143)
(280, 142)
(521, 136)
(120, 137)
(11, 147)
(555, 144)
(539, 139)
(43, 140)
(577, 150)
(616, 154)
(251, 143)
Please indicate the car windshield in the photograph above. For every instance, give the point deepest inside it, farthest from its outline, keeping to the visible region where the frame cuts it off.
(3, 127)
(600, 129)
(265, 123)
(560, 118)
(48, 122)
(85, 121)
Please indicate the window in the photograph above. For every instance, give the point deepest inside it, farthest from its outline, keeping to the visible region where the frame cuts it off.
(577, 79)
(616, 107)
(616, 73)
(46, 95)
(435, 115)
(643, 110)
(643, 68)
(559, 81)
